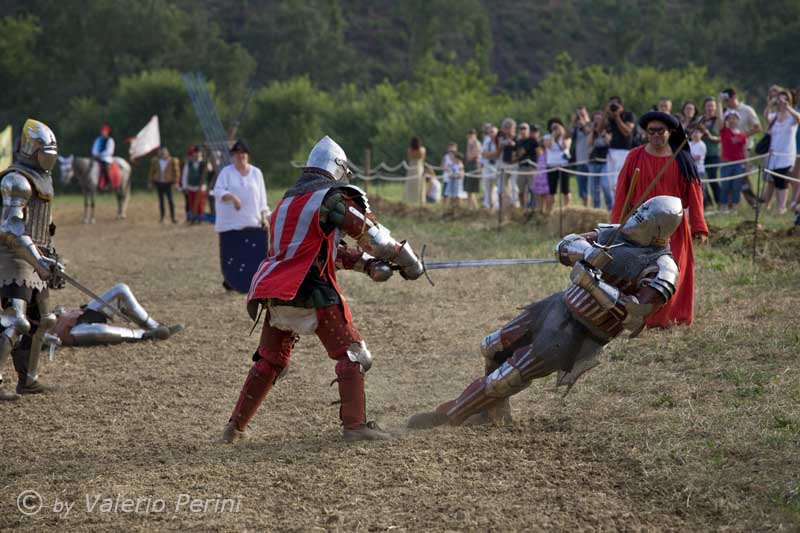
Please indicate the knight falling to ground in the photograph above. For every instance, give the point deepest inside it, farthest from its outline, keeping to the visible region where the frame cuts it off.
(296, 286)
(620, 276)
(28, 262)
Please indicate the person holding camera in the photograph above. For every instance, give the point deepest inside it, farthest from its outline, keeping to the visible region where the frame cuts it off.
(556, 146)
(581, 129)
(783, 120)
(621, 124)
(710, 125)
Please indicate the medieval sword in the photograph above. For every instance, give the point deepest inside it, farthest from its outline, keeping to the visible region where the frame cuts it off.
(470, 263)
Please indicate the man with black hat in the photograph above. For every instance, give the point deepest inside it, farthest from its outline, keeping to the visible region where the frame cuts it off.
(680, 179)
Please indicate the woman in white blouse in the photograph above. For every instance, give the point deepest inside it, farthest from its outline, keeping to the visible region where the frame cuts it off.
(240, 195)
(242, 218)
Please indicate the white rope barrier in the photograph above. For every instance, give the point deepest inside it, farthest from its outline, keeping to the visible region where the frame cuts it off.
(729, 178)
(533, 169)
(784, 176)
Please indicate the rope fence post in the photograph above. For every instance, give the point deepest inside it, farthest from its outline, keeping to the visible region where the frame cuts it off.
(757, 203)
(367, 169)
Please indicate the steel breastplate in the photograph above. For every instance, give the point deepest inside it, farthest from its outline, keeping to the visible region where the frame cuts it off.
(624, 272)
(41, 182)
(37, 221)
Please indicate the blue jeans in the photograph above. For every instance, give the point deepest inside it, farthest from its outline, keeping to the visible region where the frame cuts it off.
(582, 181)
(600, 183)
(730, 190)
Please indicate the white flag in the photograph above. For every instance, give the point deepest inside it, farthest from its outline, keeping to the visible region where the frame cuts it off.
(146, 140)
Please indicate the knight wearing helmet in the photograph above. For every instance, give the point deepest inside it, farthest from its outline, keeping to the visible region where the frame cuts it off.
(296, 288)
(28, 262)
(620, 276)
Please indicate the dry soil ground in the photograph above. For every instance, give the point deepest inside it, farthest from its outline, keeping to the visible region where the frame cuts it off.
(688, 429)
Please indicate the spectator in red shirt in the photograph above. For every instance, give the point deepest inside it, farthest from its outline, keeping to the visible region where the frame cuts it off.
(734, 143)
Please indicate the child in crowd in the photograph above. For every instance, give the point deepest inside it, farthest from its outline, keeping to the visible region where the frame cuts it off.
(698, 149)
(540, 187)
(455, 173)
(447, 161)
(733, 142)
(434, 191)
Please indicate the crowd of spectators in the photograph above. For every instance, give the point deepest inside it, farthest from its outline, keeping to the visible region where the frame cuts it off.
(520, 165)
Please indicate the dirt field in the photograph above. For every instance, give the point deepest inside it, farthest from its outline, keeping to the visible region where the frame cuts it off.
(689, 429)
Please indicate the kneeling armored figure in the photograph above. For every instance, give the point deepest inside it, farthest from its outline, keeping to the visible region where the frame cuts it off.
(619, 277)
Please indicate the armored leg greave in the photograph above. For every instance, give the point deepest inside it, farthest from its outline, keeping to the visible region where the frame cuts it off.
(94, 334)
(14, 323)
(510, 378)
(498, 346)
(122, 298)
(47, 322)
(352, 410)
(259, 381)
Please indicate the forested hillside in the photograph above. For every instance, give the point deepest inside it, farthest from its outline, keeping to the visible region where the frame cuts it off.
(375, 71)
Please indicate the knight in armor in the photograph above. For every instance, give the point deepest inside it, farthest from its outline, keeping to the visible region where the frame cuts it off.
(103, 153)
(296, 287)
(89, 325)
(28, 261)
(620, 276)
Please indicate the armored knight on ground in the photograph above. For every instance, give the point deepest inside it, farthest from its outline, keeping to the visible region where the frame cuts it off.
(297, 290)
(620, 275)
(89, 325)
(28, 262)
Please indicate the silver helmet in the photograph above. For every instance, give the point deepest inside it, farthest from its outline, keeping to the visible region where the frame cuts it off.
(329, 156)
(37, 145)
(654, 221)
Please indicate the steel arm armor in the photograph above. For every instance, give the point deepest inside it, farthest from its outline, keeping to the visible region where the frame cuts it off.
(353, 259)
(16, 191)
(574, 248)
(655, 290)
(666, 278)
(348, 209)
(589, 279)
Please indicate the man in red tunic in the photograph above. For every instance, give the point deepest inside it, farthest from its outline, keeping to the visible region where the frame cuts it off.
(680, 179)
(296, 286)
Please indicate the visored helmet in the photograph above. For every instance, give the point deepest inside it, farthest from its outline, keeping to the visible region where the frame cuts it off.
(329, 156)
(654, 221)
(37, 145)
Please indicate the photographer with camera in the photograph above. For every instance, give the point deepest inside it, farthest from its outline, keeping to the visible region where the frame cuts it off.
(556, 145)
(581, 130)
(783, 121)
(710, 125)
(621, 124)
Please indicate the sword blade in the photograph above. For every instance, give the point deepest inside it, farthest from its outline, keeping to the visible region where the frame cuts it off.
(469, 263)
(88, 292)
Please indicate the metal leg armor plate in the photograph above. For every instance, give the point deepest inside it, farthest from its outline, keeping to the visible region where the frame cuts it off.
(121, 296)
(94, 334)
(14, 322)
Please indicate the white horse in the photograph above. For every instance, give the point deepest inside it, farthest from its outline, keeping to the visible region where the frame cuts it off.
(87, 172)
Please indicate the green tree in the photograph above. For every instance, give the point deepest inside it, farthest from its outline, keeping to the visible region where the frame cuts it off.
(284, 123)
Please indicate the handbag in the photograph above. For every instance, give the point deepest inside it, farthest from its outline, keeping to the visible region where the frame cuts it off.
(763, 145)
